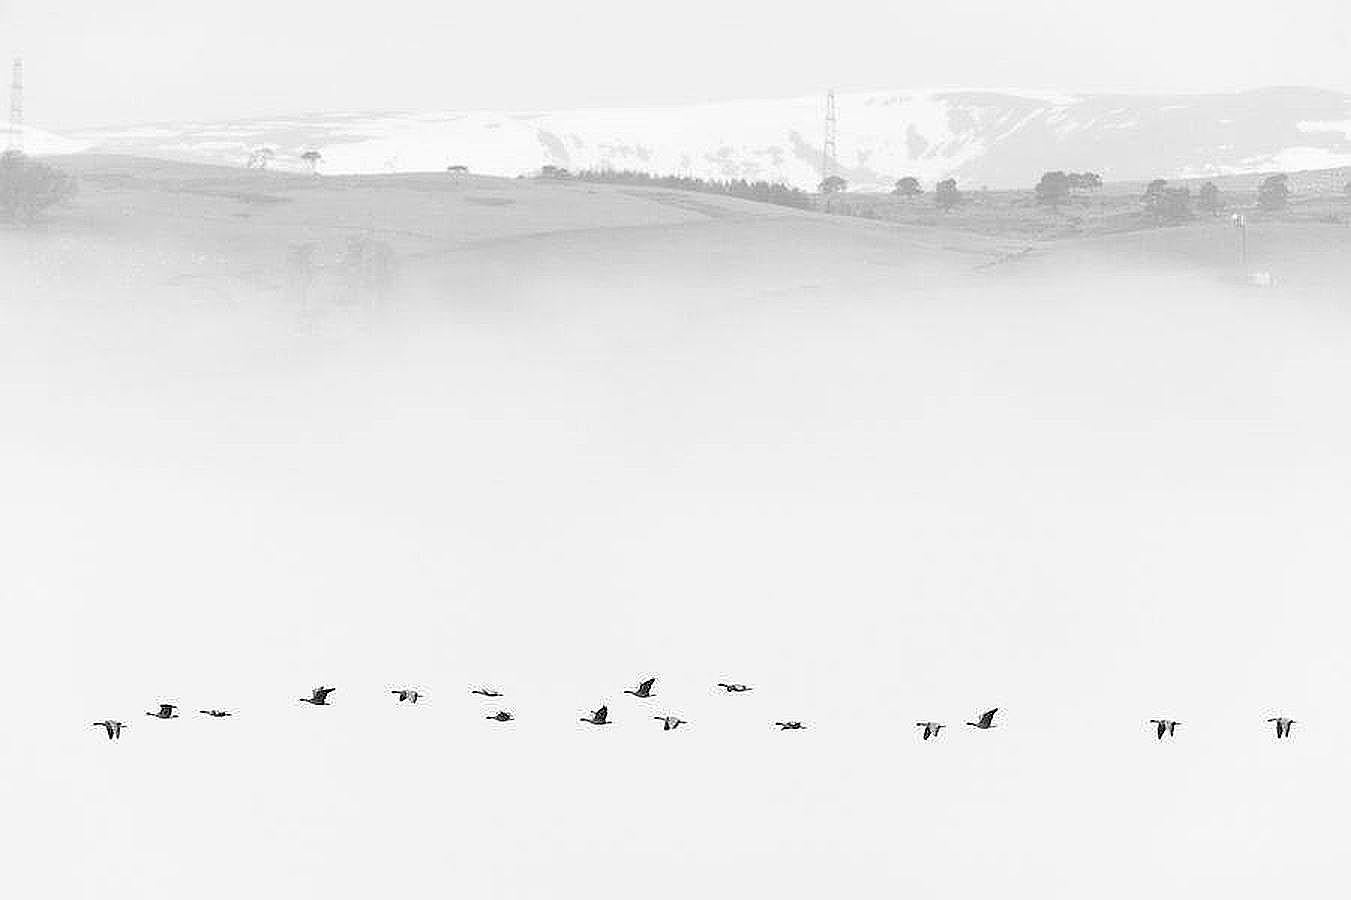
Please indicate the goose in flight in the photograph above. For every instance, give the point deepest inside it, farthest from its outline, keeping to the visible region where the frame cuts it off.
(319, 697)
(670, 723)
(644, 689)
(501, 716)
(599, 717)
(215, 713)
(1164, 726)
(986, 719)
(790, 726)
(113, 728)
(931, 729)
(1282, 726)
(408, 694)
(733, 688)
(166, 711)
(486, 692)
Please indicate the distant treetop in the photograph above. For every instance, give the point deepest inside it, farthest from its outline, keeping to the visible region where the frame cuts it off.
(908, 187)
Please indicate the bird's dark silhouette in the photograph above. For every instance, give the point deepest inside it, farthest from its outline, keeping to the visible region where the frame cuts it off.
(114, 728)
(215, 713)
(166, 711)
(986, 719)
(670, 723)
(734, 688)
(486, 692)
(599, 717)
(407, 694)
(501, 716)
(1164, 726)
(931, 729)
(790, 725)
(644, 688)
(319, 697)
(1282, 726)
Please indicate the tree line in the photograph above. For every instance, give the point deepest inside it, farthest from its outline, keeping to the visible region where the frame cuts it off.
(760, 191)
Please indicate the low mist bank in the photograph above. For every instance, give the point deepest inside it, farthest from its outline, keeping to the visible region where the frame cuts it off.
(880, 498)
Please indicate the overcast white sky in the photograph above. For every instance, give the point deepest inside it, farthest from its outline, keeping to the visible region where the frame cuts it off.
(93, 62)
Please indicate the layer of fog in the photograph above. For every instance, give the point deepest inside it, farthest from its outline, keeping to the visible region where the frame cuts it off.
(1087, 501)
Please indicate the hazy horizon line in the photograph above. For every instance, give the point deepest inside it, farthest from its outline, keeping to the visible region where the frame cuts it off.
(1050, 95)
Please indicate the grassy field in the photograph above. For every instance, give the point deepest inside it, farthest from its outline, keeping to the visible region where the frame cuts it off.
(1316, 197)
(215, 234)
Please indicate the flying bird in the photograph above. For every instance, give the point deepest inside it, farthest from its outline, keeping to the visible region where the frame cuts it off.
(790, 726)
(1282, 726)
(599, 717)
(670, 723)
(1164, 726)
(931, 729)
(215, 713)
(986, 719)
(403, 694)
(644, 689)
(114, 729)
(319, 697)
(501, 716)
(486, 692)
(166, 711)
(733, 688)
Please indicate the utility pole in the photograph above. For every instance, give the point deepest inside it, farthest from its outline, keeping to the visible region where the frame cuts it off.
(15, 139)
(1241, 223)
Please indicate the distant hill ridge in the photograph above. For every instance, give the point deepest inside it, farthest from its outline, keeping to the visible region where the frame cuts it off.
(989, 138)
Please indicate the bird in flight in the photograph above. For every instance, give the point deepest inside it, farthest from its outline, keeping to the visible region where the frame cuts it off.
(408, 694)
(1282, 726)
(599, 717)
(733, 688)
(986, 719)
(931, 729)
(670, 723)
(166, 711)
(644, 688)
(486, 692)
(113, 728)
(790, 726)
(215, 713)
(319, 697)
(501, 716)
(1164, 726)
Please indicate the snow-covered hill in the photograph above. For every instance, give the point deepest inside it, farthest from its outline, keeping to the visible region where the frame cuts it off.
(994, 138)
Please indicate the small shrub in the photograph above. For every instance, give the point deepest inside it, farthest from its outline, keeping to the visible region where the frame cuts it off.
(29, 188)
(1167, 204)
(946, 195)
(1054, 188)
(1274, 192)
(1209, 199)
(908, 187)
(833, 184)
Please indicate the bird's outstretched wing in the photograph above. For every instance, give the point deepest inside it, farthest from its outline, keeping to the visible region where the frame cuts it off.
(988, 719)
(321, 693)
(645, 686)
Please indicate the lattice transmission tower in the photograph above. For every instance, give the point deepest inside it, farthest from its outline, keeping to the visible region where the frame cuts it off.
(15, 139)
(828, 149)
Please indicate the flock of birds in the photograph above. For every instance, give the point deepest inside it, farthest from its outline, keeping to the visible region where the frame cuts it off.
(601, 716)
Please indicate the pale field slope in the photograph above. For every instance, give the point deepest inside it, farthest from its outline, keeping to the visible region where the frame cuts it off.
(598, 434)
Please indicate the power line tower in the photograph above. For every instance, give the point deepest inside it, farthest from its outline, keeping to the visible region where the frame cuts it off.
(15, 141)
(828, 150)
